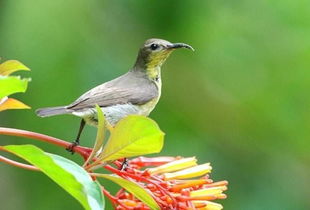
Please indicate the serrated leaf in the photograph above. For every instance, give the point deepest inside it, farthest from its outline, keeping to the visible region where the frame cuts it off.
(133, 188)
(132, 136)
(100, 135)
(70, 176)
(10, 66)
(11, 103)
(10, 85)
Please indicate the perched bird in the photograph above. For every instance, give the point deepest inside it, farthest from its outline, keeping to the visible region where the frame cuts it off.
(136, 92)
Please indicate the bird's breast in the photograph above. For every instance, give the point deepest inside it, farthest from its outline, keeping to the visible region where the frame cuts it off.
(112, 113)
(146, 108)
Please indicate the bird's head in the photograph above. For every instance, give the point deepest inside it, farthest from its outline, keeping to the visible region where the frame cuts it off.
(154, 52)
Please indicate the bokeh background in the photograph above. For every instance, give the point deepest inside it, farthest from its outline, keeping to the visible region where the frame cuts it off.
(240, 101)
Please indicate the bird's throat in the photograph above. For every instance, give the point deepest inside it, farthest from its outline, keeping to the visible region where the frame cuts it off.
(153, 73)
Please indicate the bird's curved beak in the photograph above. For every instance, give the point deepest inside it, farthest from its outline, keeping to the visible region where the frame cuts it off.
(180, 45)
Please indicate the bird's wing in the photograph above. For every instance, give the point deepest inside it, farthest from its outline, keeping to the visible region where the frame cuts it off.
(129, 88)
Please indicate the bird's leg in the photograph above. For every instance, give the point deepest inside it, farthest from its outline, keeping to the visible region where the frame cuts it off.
(77, 140)
(124, 164)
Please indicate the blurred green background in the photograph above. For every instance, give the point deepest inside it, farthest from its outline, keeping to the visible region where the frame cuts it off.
(240, 101)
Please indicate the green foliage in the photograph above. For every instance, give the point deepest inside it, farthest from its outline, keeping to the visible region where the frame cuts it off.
(12, 84)
(242, 96)
(70, 176)
(133, 188)
(100, 135)
(133, 136)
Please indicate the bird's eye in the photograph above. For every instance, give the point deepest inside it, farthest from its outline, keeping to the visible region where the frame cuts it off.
(154, 46)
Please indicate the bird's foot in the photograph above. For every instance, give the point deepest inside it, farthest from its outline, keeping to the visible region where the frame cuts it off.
(124, 165)
(72, 145)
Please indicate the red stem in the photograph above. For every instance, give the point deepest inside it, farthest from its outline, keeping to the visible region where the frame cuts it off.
(18, 164)
(83, 151)
(124, 173)
(111, 197)
(114, 200)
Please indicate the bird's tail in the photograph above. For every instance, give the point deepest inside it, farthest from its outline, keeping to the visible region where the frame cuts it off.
(51, 111)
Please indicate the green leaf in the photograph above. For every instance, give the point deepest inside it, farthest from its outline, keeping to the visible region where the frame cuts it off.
(70, 176)
(10, 66)
(100, 135)
(133, 188)
(132, 136)
(10, 85)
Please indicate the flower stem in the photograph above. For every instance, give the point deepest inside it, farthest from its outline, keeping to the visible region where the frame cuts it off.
(109, 196)
(139, 178)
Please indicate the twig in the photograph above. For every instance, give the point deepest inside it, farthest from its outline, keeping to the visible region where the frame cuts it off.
(83, 151)
(18, 164)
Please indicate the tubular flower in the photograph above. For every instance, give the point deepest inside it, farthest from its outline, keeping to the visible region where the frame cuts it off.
(167, 183)
(173, 182)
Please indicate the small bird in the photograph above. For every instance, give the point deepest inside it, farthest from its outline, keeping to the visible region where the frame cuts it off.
(134, 93)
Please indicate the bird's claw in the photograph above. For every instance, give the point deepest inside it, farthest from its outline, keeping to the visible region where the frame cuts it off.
(124, 165)
(71, 147)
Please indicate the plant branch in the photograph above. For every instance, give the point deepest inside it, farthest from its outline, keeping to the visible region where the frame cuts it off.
(83, 151)
(18, 164)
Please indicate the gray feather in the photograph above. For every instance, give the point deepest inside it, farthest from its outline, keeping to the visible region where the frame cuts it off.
(133, 87)
(51, 111)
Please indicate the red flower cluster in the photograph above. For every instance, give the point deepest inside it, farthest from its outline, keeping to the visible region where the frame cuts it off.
(174, 183)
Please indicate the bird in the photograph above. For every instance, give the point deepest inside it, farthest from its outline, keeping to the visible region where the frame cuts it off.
(134, 93)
